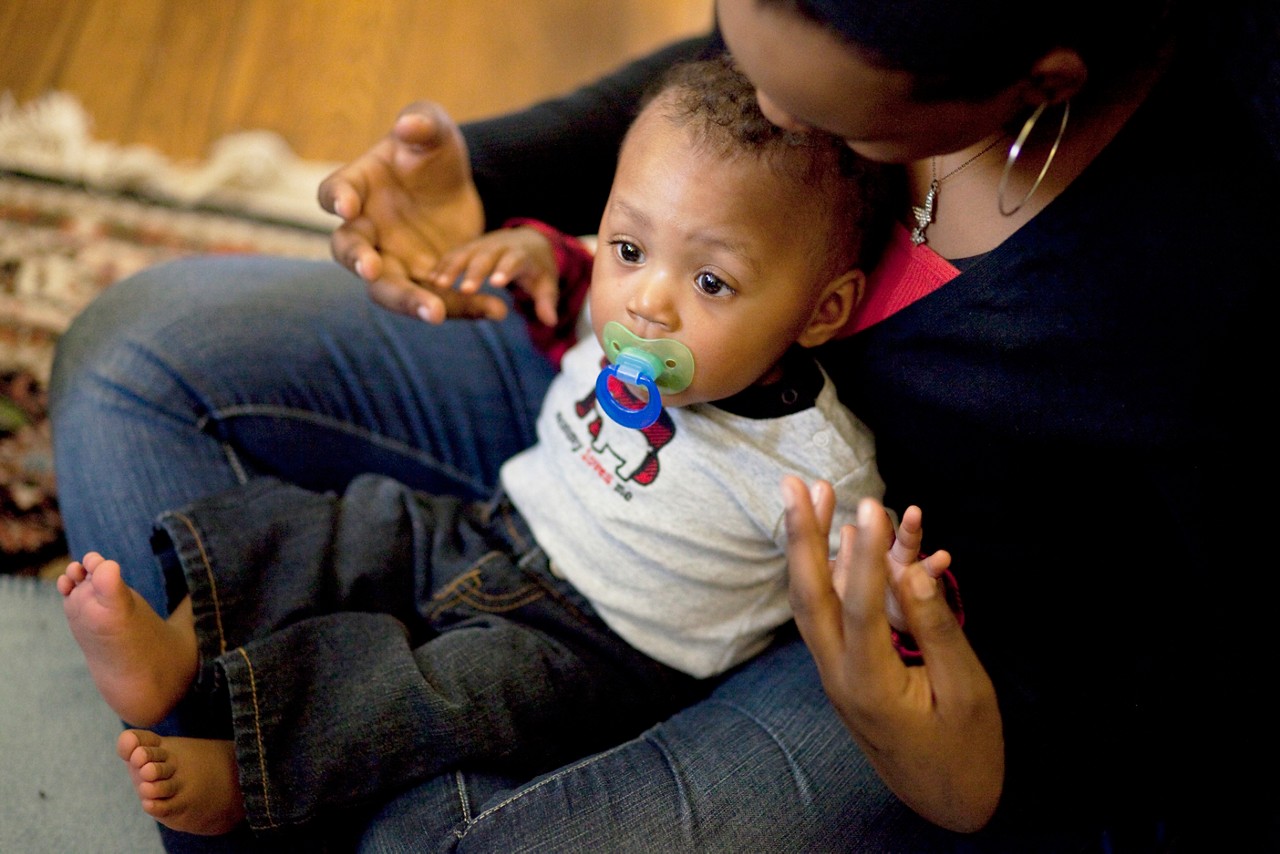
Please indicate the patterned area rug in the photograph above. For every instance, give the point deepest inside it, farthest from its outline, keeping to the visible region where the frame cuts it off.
(61, 245)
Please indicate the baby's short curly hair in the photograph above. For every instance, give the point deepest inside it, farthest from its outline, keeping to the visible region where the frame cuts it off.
(717, 104)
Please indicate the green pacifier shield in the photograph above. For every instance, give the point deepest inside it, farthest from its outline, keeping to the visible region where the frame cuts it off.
(677, 360)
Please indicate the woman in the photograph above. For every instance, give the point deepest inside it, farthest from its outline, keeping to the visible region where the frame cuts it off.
(1076, 388)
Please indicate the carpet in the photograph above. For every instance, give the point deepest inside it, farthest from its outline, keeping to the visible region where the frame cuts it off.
(62, 789)
(65, 236)
(76, 216)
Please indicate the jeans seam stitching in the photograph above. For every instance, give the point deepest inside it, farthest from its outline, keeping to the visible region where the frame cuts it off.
(452, 593)
(329, 422)
(209, 576)
(257, 733)
(546, 781)
(464, 803)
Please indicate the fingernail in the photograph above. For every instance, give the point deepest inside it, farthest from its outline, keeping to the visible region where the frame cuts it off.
(866, 512)
(424, 313)
(360, 269)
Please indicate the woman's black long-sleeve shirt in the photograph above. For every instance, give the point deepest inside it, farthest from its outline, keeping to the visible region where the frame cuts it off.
(1082, 416)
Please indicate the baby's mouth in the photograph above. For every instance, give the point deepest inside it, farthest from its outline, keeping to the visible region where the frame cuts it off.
(651, 364)
(674, 371)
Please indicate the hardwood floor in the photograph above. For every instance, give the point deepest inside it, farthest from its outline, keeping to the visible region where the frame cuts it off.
(328, 75)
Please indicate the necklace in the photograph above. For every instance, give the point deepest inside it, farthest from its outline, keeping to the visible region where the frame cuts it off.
(924, 213)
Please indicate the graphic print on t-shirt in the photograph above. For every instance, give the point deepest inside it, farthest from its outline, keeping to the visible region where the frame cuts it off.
(621, 456)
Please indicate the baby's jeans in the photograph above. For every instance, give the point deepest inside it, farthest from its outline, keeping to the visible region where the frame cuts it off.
(376, 639)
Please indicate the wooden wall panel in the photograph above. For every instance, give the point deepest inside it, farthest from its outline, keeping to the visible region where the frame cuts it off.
(35, 40)
(149, 71)
(328, 75)
(180, 104)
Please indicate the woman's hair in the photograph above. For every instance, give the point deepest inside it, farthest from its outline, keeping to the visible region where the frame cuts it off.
(716, 104)
(969, 49)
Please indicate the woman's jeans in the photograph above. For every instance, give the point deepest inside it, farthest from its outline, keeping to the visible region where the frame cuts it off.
(195, 376)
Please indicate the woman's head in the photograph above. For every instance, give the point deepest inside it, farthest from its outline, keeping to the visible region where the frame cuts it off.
(904, 79)
(971, 49)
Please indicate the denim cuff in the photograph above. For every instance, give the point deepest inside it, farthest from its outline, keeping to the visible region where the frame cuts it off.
(174, 545)
(175, 581)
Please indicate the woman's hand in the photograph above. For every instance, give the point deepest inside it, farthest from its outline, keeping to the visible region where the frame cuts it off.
(933, 732)
(404, 203)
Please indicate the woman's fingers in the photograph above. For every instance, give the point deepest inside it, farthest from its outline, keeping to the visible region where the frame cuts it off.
(863, 566)
(814, 602)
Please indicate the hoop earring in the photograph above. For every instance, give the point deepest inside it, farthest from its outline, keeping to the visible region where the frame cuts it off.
(1016, 149)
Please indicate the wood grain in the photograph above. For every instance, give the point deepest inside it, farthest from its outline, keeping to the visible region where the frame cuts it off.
(328, 75)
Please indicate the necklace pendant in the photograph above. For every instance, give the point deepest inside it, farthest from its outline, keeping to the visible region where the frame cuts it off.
(923, 214)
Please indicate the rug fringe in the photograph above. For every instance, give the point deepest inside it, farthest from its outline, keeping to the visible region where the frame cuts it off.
(252, 172)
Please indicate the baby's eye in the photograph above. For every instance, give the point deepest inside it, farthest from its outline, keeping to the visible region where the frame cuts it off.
(712, 285)
(627, 251)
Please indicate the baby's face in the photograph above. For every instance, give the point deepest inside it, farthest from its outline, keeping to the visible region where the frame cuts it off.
(722, 255)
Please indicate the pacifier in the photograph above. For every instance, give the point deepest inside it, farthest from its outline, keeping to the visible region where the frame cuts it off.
(650, 363)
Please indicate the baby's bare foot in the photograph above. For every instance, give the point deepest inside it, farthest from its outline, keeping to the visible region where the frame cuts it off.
(187, 784)
(141, 663)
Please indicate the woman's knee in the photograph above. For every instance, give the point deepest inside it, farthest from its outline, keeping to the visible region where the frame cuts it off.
(201, 315)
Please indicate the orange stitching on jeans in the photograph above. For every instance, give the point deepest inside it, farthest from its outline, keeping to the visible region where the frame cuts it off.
(213, 584)
(257, 731)
(455, 592)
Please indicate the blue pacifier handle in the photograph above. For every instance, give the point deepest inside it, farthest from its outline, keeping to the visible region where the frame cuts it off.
(635, 367)
(651, 363)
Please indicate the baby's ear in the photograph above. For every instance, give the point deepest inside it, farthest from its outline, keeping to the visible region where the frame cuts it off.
(836, 302)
